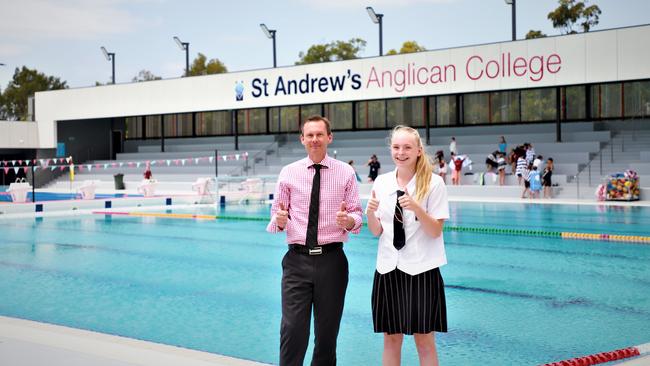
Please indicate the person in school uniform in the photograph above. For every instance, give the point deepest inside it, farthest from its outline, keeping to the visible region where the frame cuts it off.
(407, 210)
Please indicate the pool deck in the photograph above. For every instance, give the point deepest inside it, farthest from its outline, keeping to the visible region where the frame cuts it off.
(30, 343)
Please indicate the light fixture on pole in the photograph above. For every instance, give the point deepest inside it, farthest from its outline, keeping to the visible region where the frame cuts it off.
(270, 33)
(513, 3)
(377, 19)
(184, 46)
(110, 56)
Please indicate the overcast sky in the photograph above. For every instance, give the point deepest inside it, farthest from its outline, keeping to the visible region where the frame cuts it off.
(63, 38)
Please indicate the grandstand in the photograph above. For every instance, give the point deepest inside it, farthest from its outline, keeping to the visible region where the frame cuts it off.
(578, 155)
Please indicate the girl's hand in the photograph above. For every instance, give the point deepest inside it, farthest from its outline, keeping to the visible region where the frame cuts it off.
(373, 204)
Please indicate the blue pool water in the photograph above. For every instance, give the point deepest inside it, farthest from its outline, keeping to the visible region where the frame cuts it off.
(215, 285)
(50, 196)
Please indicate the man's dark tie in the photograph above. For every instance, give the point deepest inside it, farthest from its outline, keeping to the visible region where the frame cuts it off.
(399, 237)
(314, 203)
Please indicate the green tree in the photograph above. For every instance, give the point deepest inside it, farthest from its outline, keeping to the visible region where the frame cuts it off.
(333, 51)
(24, 84)
(201, 66)
(145, 75)
(408, 47)
(535, 34)
(572, 12)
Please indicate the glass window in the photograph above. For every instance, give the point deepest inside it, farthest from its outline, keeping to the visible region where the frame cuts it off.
(371, 114)
(504, 107)
(177, 125)
(152, 126)
(307, 111)
(133, 128)
(339, 115)
(442, 110)
(409, 112)
(538, 105)
(475, 108)
(287, 119)
(637, 99)
(213, 123)
(573, 100)
(251, 121)
(606, 100)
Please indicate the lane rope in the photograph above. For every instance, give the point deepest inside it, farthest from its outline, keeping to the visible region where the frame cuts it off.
(470, 229)
(604, 357)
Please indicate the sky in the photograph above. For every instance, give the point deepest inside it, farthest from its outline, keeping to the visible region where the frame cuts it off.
(63, 38)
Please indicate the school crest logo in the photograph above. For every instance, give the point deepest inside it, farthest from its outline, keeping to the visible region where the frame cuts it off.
(239, 90)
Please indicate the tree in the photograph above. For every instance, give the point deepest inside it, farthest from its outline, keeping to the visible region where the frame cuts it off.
(571, 12)
(25, 83)
(201, 66)
(145, 75)
(408, 47)
(333, 51)
(535, 34)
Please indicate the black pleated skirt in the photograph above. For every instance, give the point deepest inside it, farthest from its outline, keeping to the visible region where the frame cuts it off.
(407, 304)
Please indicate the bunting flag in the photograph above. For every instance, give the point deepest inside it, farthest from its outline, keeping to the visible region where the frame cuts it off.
(6, 170)
(45, 162)
(16, 170)
(25, 169)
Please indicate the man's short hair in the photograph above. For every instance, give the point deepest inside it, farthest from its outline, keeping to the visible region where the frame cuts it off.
(317, 118)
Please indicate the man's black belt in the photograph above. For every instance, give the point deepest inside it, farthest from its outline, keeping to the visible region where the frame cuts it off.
(318, 250)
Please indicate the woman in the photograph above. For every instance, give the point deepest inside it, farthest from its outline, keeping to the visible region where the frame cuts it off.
(408, 294)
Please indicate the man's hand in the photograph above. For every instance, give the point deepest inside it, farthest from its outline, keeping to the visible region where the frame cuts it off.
(342, 219)
(281, 217)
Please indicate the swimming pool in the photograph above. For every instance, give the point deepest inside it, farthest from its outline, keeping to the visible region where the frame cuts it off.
(215, 285)
(53, 196)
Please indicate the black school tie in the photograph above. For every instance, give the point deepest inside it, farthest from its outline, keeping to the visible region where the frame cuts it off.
(314, 204)
(399, 237)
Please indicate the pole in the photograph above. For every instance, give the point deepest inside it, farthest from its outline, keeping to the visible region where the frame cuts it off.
(558, 110)
(514, 20)
(187, 58)
(33, 184)
(381, 40)
(216, 163)
(275, 64)
(113, 62)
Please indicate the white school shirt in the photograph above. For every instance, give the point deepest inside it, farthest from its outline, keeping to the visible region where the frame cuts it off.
(421, 252)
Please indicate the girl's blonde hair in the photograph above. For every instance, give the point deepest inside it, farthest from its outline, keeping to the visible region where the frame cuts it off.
(423, 166)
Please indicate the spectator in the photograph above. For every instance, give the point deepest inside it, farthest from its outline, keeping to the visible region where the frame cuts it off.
(526, 175)
(535, 182)
(458, 167)
(374, 165)
(442, 169)
(501, 163)
(546, 178)
(491, 162)
(530, 152)
(503, 145)
(521, 169)
(147, 171)
(452, 146)
(351, 162)
(537, 163)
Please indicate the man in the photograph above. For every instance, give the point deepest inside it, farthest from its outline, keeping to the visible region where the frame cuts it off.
(317, 204)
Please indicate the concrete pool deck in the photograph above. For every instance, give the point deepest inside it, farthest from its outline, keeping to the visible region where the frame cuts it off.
(29, 343)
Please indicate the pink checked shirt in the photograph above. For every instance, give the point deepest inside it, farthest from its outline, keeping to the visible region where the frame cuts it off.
(338, 183)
